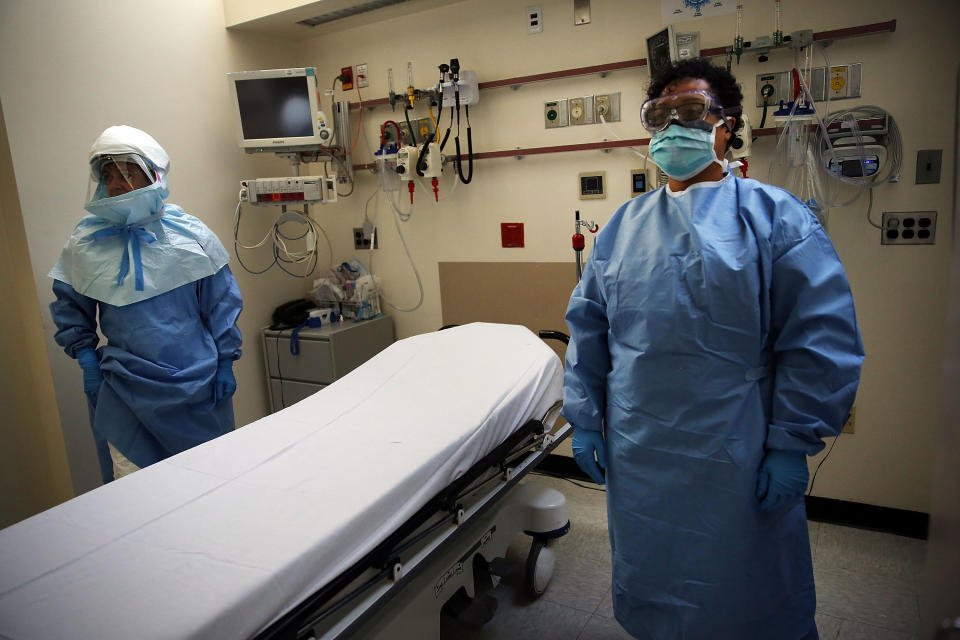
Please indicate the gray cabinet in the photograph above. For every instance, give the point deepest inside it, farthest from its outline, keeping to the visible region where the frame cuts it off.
(326, 354)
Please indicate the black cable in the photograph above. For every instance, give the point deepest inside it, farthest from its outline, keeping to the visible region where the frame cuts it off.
(869, 209)
(413, 136)
(421, 159)
(469, 177)
(817, 470)
(449, 127)
(563, 477)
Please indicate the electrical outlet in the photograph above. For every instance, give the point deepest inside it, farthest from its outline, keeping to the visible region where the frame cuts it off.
(533, 17)
(850, 424)
(360, 243)
(608, 106)
(362, 79)
(346, 78)
(909, 227)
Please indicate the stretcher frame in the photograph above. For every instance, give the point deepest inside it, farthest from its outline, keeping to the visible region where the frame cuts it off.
(343, 606)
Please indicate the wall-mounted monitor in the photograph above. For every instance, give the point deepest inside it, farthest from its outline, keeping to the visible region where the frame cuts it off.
(277, 108)
(661, 50)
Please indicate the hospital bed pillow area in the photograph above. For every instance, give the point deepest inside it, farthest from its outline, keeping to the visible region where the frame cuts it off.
(223, 539)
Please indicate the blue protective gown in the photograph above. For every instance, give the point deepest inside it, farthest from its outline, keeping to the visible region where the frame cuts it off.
(709, 326)
(159, 364)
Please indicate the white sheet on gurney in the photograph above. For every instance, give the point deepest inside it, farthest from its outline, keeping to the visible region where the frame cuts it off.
(219, 541)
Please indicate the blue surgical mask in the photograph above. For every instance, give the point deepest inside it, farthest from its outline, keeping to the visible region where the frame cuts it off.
(684, 152)
(131, 207)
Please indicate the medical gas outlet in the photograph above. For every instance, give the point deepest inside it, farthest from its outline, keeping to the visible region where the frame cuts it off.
(287, 191)
(582, 110)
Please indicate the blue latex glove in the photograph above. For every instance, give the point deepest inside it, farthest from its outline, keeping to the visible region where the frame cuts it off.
(92, 378)
(590, 453)
(225, 384)
(783, 478)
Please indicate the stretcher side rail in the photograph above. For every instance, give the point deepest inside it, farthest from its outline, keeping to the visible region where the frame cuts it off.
(300, 620)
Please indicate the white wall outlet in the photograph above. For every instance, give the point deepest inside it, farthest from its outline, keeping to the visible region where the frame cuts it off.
(533, 17)
(909, 227)
(363, 80)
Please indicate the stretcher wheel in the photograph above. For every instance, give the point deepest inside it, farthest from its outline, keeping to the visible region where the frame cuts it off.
(540, 563)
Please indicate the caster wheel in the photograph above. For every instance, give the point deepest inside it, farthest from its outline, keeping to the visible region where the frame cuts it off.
(540, 563)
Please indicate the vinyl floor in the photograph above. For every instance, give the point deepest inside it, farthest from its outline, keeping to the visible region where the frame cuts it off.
(867, 583)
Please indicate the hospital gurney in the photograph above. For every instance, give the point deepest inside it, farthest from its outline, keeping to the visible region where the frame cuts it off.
(270, 529)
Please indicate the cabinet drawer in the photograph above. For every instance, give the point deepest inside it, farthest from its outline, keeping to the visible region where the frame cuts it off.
(285, 393)
(314, 363)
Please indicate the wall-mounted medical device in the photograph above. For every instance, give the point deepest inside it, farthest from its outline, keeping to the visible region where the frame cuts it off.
(289, 191)
(278, 109)
(851, 160)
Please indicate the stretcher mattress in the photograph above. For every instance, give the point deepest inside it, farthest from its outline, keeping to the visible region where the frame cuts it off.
(219, 541)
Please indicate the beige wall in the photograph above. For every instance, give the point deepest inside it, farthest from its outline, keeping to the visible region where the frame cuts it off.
(165, 75)
(898, 289)
(70, 69)
(33, 460)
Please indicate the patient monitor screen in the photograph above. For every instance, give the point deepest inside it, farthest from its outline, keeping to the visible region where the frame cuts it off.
(274, 108)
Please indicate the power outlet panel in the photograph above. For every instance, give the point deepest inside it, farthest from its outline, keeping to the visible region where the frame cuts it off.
(909, 227)
(360, 243)
(534, 20)
(363, 80)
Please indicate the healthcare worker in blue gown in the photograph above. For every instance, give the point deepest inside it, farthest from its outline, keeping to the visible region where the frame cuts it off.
(713, 345)
(157, 281)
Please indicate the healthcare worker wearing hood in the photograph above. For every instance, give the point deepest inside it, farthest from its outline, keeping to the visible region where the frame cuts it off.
(157, 281)
(713, 345)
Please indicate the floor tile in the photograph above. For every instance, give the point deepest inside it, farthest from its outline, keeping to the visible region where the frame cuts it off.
(828, 626)
(859, 631)
(871, 552)
(813, 528)
(606, 605)
(538, 620)
(579, 583)
(877, 600)
(600, 628)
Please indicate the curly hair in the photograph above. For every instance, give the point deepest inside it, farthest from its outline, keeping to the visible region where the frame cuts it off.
(722, 83)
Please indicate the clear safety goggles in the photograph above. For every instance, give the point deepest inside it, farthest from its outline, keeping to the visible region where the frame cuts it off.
(688, 108)
(116, 174)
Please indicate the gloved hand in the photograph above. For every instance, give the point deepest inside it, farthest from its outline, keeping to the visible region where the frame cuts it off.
(783, 478)
(590, 453)
(92, 378)
(225, 383)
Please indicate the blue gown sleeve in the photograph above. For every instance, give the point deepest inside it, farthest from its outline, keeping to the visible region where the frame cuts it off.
(588, 356)
(220, 305)
(76, 318)
(816, 344)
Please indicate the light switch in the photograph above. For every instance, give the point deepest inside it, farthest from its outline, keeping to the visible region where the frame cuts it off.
(928, 166)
